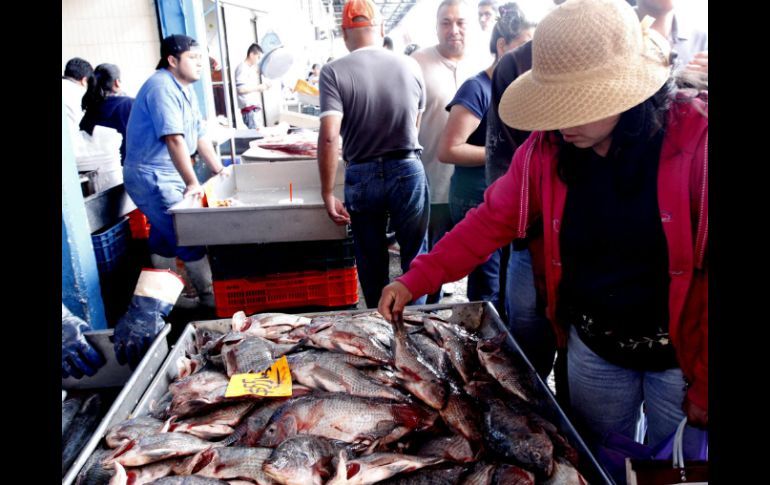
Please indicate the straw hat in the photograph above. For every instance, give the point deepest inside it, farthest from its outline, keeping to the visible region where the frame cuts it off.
(591, 59)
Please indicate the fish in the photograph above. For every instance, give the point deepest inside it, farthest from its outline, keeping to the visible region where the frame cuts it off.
(502, 368)
(69, 408)
(512, 475)
(383, 375)
(565, 474)
(196, 393)
(233, 463)
(416, 374)
(458, 343)
(215, 424)
(253, 425)
(186, 366)
(461, 415)
(482, 474)
(161, 409)
(271, 326)
(81, 427)
(436, 356)
(428, 476)
(143, 475)
(452, 448)
(132, 429)
(189, 480)
(363, 421)
(330, 371)
(512, 436)
(242, 354)
(93, 471)
(161, 446)
(350, 337)
(562, 447)
(376, 467)
(302, 460)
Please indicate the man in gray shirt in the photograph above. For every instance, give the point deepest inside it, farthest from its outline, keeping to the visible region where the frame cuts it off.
(374, 99)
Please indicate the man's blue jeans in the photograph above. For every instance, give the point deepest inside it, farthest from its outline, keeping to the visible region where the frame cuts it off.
(606, 397)
(526, 319)
(375, 190)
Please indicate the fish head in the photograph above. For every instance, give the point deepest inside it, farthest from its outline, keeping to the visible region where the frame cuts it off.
(283, 469)
(278, 430)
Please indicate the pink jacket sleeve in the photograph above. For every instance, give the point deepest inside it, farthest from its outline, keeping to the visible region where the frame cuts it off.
(484, 229)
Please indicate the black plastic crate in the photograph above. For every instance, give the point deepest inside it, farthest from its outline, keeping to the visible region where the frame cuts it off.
(250, 260)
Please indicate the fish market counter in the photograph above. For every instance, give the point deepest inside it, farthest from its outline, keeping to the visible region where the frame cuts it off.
(495, 345)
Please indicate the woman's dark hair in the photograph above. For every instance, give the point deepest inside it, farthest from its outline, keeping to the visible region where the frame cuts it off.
(100, 85)
(639, 129)
(509, 25)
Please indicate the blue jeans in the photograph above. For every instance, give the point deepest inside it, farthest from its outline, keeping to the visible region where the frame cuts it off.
(440, 224)
(373, 191)
(484, 281)
(606, 397)
(252, 118)
(154, 191)
(526, 319)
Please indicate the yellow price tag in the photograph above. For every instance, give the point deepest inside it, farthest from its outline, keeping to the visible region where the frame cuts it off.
(275, 381)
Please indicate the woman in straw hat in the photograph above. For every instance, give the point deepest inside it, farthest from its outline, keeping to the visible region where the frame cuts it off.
(616, 171)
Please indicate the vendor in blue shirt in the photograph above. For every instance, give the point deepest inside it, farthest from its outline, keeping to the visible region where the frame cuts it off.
(462, 144)
(164, 129)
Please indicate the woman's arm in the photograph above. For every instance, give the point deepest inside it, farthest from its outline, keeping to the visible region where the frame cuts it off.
(453, 146)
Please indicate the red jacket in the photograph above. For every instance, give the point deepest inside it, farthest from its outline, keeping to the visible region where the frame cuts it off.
(531, 190)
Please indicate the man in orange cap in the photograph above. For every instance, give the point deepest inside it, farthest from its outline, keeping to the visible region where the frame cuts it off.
(373, 98)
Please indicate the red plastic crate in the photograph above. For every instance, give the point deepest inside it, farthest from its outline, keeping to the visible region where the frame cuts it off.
(140, 228)
(335, 287)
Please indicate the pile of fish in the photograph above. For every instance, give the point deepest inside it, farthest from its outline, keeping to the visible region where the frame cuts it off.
(80, 416)
(422, 401)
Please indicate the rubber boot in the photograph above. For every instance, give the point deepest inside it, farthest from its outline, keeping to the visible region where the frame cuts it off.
(162, 262)
(199, 273)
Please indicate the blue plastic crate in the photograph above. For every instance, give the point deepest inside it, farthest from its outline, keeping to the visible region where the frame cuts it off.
(111, 245)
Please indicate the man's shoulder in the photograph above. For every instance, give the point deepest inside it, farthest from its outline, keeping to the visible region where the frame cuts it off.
(425, 54)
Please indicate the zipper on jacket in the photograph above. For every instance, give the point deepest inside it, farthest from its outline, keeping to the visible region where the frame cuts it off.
(524, 196)
(702, 233)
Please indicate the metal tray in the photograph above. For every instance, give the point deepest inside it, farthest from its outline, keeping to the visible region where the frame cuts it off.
(264, 188)
(478, 316)
(111, 375)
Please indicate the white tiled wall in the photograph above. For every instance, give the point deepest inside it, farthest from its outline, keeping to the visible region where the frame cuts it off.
(122, 32)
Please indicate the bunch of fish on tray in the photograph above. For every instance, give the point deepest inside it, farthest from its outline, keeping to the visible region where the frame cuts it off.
(422, 401)
(80, 414)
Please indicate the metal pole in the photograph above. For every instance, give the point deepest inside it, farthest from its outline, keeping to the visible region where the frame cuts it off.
(225, 76)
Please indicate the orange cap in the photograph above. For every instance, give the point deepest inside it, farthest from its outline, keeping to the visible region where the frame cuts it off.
(360, 8)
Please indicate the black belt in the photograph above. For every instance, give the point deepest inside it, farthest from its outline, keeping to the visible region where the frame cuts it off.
(394, 155)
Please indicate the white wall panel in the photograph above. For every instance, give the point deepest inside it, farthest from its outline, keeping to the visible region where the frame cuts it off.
(122, 32)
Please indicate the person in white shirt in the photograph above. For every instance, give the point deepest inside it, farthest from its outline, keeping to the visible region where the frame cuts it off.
(445, 67)
(248, 87)
(74, 83)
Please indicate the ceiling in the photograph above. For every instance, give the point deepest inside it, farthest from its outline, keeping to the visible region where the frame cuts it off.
(392, 12)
